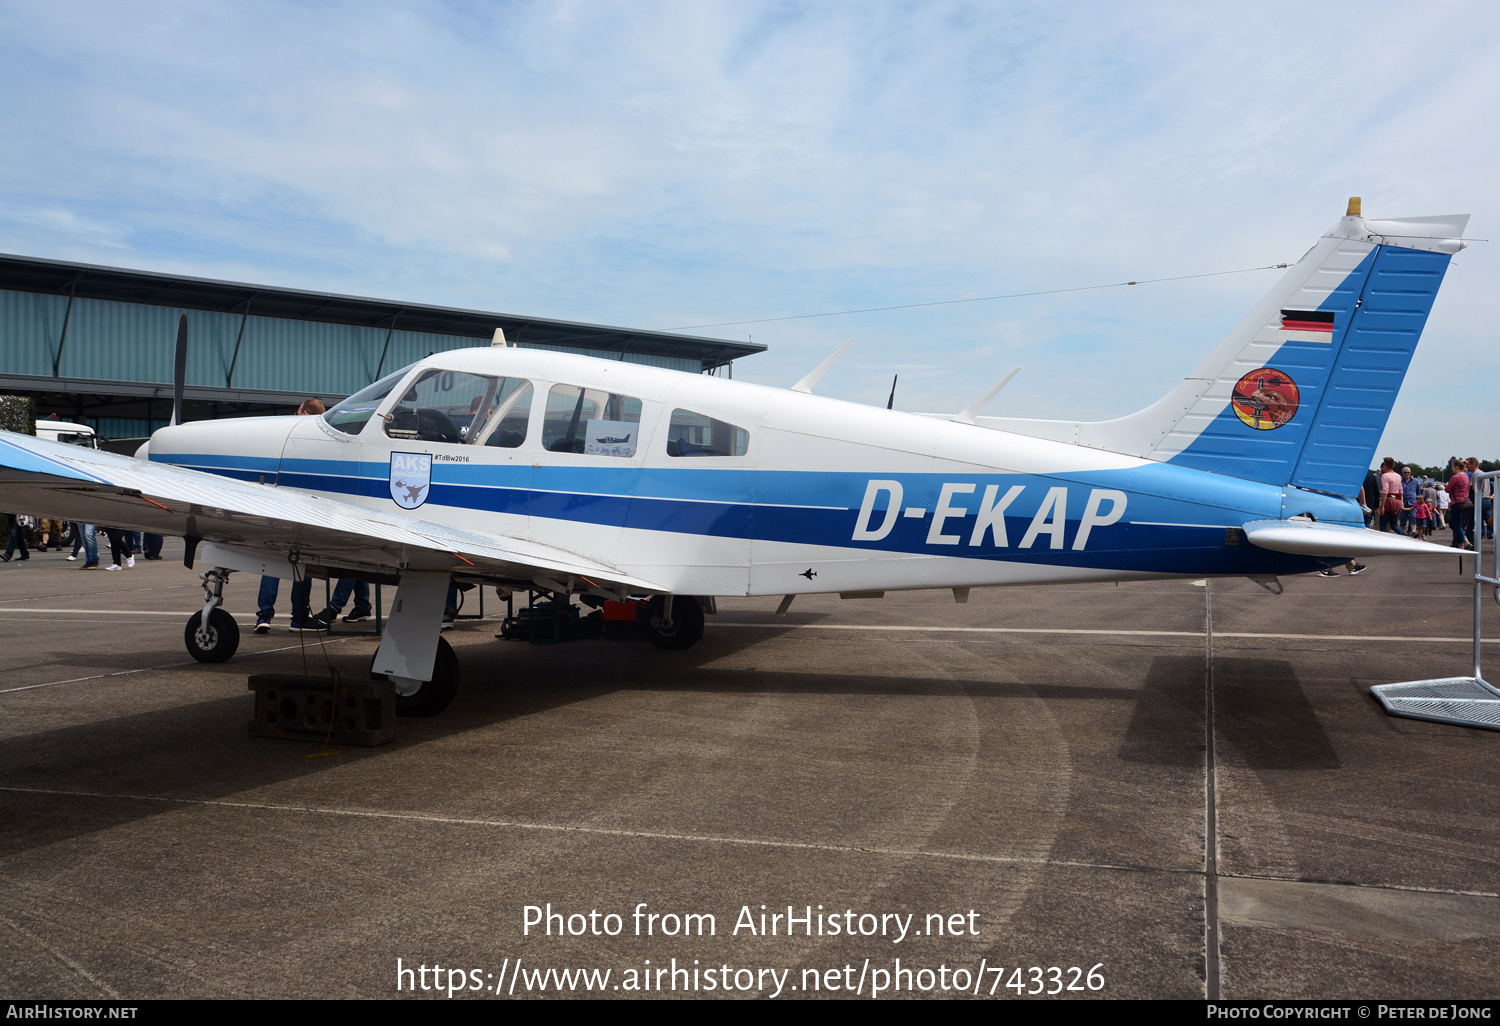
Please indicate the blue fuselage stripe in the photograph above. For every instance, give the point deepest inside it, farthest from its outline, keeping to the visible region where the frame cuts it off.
(1175, 521)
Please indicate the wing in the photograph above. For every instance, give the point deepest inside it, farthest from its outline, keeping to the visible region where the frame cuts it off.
(1306, 538)
(73, 483)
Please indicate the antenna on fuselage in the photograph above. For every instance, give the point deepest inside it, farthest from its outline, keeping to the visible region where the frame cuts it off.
(889, 403)
(179, 369)
(973, 410)
(807, 383)
(498, 342)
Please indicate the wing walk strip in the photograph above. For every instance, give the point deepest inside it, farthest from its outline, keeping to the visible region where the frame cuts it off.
(749, 842)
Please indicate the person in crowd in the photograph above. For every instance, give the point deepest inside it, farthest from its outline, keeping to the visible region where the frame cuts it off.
(1409, 488)
(77, 542)
(1443, 501)
(1390, 495)
(90, 535)
(362, 609)
(1430, 493)
(1421, 517)
(1460, 508)
(1482, 518)
(151, 546)
(121, 554)
(302, 618)
(51, 531)
(18, 526)
(1372, 499)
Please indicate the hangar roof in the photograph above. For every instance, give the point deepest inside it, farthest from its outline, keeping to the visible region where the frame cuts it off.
(89, 281)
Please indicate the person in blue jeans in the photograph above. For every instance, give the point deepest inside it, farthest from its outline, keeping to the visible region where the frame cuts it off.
(88, 535)
(302, 619)
(349, 586)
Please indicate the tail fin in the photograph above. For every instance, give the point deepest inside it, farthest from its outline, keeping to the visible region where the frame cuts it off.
(1300, 391)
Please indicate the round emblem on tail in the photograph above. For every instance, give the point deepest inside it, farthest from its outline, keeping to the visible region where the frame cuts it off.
(1265, 398)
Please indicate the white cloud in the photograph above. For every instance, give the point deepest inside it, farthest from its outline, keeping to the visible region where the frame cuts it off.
(672, 164)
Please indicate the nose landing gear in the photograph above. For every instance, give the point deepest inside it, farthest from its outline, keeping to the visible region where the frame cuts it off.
(211, 634)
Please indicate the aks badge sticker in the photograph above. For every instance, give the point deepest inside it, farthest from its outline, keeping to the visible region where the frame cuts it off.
(1265, 398)
(411, 478)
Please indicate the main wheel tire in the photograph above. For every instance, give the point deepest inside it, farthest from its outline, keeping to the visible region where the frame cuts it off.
(223, 637)
(434, 695)
(687, 623)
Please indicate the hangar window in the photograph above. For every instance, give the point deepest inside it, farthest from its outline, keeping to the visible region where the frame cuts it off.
(697, 434)
(351, 415)
(455, 407)
(591, 421)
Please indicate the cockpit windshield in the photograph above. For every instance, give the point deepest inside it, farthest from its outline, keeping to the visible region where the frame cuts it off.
(351, 415)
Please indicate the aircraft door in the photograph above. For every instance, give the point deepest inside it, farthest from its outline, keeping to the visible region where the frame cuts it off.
(583, 485)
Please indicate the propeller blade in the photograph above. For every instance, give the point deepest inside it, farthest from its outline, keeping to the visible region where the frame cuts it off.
(179, 369)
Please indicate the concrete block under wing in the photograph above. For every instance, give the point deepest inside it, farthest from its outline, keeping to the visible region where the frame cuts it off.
(288, 705)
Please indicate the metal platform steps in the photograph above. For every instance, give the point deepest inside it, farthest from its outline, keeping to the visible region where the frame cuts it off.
(1462, 701)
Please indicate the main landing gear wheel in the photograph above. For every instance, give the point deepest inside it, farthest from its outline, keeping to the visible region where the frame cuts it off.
(686, 627)
(426, 697)
(217, 642)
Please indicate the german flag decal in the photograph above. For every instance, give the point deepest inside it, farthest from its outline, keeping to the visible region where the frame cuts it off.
(1307, 325)
(1265, 399)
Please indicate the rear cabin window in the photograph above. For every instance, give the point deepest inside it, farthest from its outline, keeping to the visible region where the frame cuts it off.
(697, 434)
(462, 409)
(591, 421)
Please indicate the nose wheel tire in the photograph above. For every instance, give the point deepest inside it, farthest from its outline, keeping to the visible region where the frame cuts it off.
(426, 697)
(220, 640)
(687, 623)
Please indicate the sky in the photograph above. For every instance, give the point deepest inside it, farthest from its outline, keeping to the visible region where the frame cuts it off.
(667, 165)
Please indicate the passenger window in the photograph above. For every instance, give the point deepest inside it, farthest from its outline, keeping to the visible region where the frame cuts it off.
(503, 425)
(590, 421)
(441, 406)
(696, 434)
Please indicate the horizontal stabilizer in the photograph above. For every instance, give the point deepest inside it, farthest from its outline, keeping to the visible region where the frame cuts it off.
(1307, 538)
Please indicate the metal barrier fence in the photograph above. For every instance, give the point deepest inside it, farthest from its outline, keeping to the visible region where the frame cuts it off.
(1463, 701)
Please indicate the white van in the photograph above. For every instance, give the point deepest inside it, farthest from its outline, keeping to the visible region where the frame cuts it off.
(66, 431)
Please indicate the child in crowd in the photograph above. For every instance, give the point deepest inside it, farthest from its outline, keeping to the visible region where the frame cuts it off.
(1421, 517)
(1442, 509)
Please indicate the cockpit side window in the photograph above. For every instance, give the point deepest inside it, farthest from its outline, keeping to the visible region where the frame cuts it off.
(697, 434)
(503, 424)
(591, 421)
(442, 406)
(351, 415)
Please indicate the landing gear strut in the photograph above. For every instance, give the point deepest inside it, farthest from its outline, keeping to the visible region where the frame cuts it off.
(211, 634)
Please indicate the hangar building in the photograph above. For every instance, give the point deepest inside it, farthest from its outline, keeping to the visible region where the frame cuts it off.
(95, 344)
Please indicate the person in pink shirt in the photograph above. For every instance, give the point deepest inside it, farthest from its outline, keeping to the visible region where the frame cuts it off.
(1391, 503)
(1460, 508)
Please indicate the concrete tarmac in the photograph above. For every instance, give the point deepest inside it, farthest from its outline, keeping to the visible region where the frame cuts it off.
(1085, 776)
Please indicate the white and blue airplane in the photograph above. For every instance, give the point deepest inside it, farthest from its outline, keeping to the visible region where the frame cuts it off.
(573, 475)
